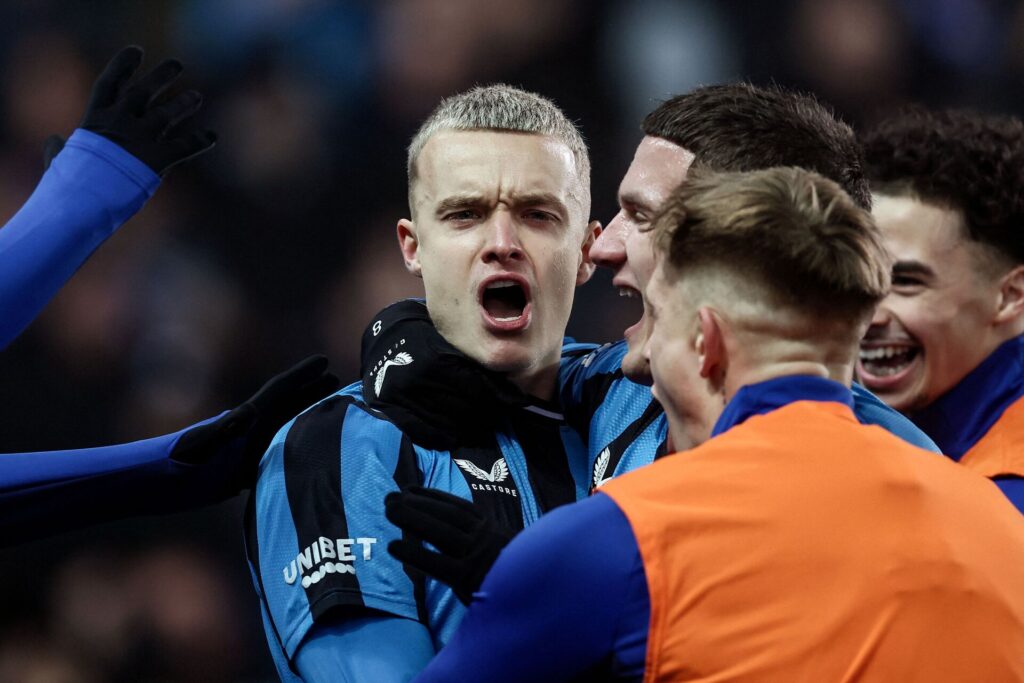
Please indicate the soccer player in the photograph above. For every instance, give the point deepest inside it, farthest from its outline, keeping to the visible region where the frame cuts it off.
(499, 189)
(945, 347)
(103, 175)
(793, 542)
(734, 127)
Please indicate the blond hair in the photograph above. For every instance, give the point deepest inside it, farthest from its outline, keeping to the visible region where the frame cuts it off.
(795, 236)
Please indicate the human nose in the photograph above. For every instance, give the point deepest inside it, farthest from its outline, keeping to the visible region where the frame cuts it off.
(609, 249)
(503, 240)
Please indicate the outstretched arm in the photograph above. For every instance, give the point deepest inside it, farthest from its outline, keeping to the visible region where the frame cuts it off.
(567, 597)
(47, 493)
(108, 168)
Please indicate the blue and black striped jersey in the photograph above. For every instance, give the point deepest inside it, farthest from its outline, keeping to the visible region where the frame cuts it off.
(316, 532)
(625, 428)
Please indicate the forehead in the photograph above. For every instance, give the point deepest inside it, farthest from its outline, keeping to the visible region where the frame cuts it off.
(494, 162)
(919, 230)
(658, 167)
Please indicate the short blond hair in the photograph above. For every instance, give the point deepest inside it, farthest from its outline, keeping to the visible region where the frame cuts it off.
(795, 236)
(501, 107)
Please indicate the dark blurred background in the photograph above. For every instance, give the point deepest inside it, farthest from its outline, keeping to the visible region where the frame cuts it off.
(281, 241)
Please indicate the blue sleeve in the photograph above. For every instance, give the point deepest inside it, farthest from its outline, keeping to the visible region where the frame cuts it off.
(47, 493)
(317, 536)
(1012, 488)
(90, 189)
(871, 410)
(567, 598)
(376, 648)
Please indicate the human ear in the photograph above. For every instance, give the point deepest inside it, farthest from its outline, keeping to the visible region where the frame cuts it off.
(710, 345)
(587, 266)
(410, 245)
(1011, 296)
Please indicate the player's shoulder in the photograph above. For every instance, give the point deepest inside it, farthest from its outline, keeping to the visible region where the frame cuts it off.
(329, 425)
(871, 410)
(592, 358)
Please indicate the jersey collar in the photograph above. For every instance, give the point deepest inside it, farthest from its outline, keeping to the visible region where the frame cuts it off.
(764, 397)
(965, 413)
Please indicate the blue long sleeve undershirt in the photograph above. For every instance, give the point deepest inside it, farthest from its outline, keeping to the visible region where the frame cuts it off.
(567, 599)
(90, 189)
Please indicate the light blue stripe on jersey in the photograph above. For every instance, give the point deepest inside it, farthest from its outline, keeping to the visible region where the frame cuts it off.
(287, 607)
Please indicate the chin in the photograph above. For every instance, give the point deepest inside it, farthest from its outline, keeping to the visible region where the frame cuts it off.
(636, 368)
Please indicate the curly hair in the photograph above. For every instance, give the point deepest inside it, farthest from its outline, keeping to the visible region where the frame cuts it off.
(958, 159)
(746, 127)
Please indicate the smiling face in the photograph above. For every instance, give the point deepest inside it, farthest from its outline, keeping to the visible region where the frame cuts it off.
(500, 238)
(937, 324)
(658, 167)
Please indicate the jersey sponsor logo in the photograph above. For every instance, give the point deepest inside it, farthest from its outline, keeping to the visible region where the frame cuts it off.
(600, 467)
(499, 470)
(401, 358)
(327, 556)
(498, 474)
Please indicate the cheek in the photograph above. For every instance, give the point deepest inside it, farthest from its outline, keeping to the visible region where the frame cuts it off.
(640, 255)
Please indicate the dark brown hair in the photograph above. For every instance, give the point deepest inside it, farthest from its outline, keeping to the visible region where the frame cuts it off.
(744, 127)
(960, 160)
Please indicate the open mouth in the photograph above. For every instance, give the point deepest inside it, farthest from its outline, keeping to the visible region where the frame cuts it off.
(635, 300)
(505, 301)
(883, 362)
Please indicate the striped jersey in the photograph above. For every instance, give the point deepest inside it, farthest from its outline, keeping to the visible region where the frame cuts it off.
(316, 534)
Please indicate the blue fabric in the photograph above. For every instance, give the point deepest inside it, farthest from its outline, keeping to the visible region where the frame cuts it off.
(958, 419)
(567, 599)
(90, 189)
(624, 428)
(303, 494)
(1012, 488)
(376, 648)
(764, 397)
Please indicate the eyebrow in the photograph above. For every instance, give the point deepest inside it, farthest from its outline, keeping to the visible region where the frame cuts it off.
(912, 268)
(461, 201)
(636, 200)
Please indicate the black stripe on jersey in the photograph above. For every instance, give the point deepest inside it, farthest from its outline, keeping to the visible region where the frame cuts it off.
(617, 448)
(592, 394)
(312, 477)
(407, 473)
(491, 484)
(550, 477)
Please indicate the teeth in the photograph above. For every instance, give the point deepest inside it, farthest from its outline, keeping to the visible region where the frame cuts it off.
(627, 292)
(502, 284)
(508, 320)
(882, 352)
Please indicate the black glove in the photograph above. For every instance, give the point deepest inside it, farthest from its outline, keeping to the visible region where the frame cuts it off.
(130, 115)
(469, 541)
(436, 394)
(242, 435)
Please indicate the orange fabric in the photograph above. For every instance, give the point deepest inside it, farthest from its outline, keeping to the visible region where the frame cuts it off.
(803, 546)
(1001, 450)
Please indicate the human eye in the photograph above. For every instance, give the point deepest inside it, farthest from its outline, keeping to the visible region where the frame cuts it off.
(541, 216)
(460, 216)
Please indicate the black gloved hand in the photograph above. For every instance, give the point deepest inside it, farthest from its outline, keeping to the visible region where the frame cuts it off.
(469, 542)
(130, 114)
(243, 434)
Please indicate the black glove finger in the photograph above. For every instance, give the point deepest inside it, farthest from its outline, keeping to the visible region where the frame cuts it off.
(166, 115)
(452, 509)
(414, 554)
(115, 75)
(321, 387)
(290, 381)
(185, 147)
(141, 92)
(51, 148)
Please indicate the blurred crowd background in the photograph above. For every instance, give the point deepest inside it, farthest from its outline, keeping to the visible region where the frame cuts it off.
(280, 242)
